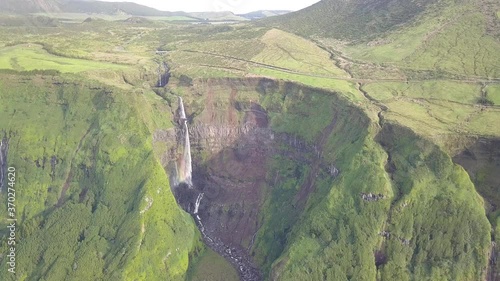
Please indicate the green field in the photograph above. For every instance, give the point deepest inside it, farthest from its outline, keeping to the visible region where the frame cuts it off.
(465, 93)
(493, 93)
(33, 57)
(346, 87)
(292, 52)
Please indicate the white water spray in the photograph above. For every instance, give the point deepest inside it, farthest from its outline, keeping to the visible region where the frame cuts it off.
(187, 159)
(183, 112)
(185, 169)
(197, 204)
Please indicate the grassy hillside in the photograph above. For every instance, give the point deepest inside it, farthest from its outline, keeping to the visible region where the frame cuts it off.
(350, 20)
(31, 57)
(436, 74)
(284, 207)
(338, 235)
(29, 6)
(95, 203)
(210, 266)
(82, 6)
(437, 210)
(341, 236)
(453, 42)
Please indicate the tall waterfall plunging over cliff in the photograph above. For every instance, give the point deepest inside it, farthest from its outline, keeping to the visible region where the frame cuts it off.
(185, 168)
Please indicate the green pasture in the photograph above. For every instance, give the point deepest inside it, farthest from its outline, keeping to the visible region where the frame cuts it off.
(28, 57)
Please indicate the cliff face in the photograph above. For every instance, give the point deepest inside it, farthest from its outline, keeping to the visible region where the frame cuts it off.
(92, 202)
(481, 160)
(238, 131)
(292, 176)
(297, 181)
(232, 178)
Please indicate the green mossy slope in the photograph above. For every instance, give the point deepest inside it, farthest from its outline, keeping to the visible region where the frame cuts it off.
(352, 20)
(436, 221)
(437, 210)
(328, 122)
(93, 202)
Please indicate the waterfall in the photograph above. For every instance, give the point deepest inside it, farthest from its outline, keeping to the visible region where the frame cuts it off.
(198, 201)
(160, 80)
(163, 74)
(183, 112)
(185, 167)
(187, 158)
(237, 257)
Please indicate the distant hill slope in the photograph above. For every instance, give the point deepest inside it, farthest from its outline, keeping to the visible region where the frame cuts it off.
(217, 16)
(351, 20)
(29, 6)
(99, 7)
(82, 6)
(364, 20)
(264, 14)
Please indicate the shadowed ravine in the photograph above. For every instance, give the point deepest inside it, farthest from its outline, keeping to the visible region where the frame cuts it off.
(190, 198)
(239, 158)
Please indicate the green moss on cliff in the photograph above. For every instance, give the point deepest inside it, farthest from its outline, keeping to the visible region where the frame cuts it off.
(423, 201)
(93, 201)
(309, 214)
(438, 212)
(434, 220)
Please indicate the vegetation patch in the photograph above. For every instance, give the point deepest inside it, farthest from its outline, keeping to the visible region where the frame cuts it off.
(96, 202)
(32, 57)
(210, 266)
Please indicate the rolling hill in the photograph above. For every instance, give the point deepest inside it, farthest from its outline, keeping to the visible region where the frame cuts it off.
(99, 7)
(29, 6)
(368, 19)
(82, 6)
